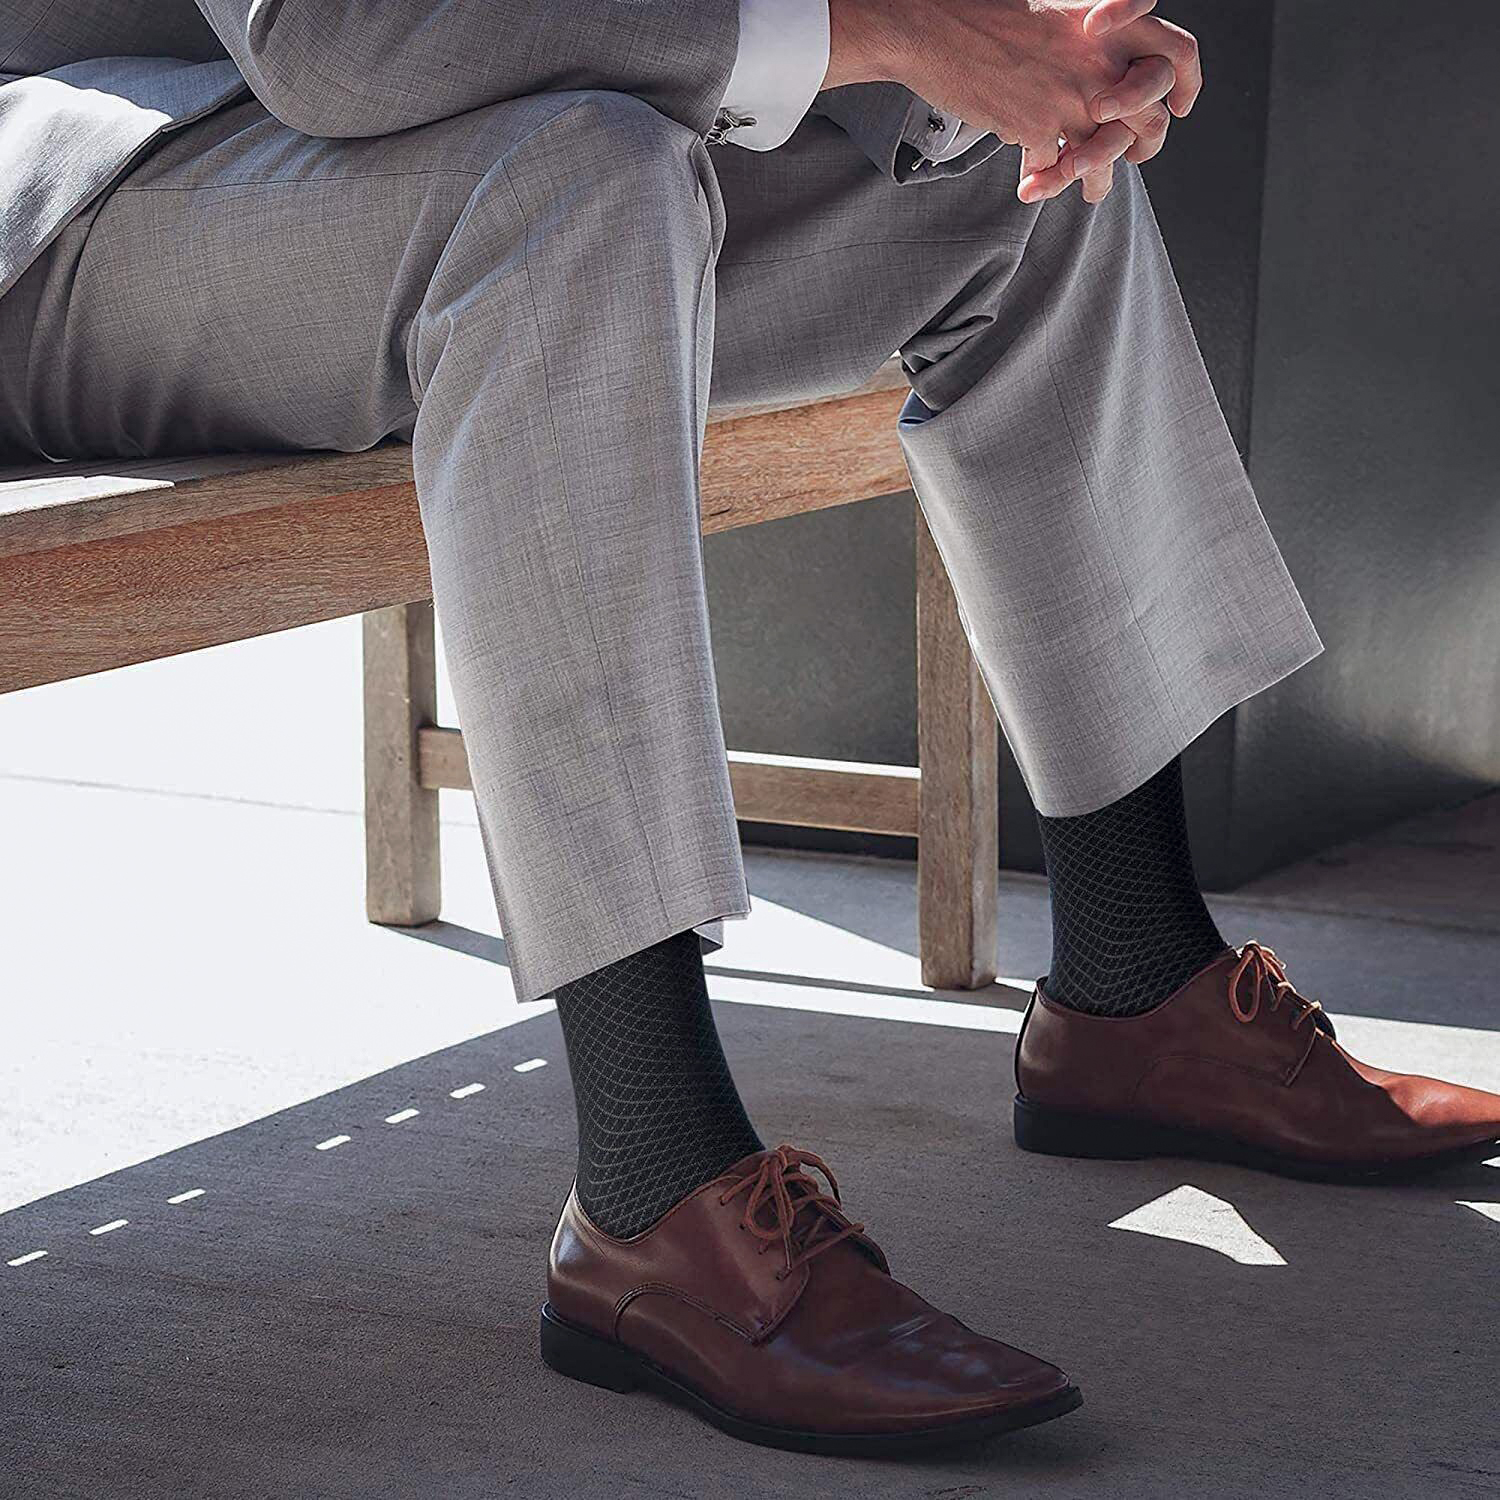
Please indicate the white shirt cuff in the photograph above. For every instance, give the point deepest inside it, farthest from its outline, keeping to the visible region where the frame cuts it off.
(935, 135)
(780, 66)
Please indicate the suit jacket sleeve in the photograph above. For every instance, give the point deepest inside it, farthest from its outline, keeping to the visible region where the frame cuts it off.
(874, 116)
(352, 68)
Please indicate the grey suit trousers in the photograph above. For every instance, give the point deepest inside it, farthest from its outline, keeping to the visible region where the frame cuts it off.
(540, 295)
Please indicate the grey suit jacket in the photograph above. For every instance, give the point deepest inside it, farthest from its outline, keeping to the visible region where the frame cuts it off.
(87, 85)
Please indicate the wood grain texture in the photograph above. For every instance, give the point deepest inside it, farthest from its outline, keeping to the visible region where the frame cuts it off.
(442, 761)
(957, 748)
(403, 882)
(767, 788)
(102, 604)
(761, 468)
(67, 504)
(863, 800)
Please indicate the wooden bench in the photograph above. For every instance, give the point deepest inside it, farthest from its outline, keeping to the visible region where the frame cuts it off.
(106, 564)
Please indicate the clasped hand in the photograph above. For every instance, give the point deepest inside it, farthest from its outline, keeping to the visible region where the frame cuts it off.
(1077, 84)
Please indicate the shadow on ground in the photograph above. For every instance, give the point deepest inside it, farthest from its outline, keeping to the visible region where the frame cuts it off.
(359, 1321)
(1349, 952)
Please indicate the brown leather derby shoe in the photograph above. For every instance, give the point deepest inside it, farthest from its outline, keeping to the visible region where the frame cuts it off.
(756, 1303)
(1236, 1066)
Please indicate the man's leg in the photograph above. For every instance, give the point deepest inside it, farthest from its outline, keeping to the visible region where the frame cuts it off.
(527, 293)
(1120, 591)
(1115, 575)
(1112, 568)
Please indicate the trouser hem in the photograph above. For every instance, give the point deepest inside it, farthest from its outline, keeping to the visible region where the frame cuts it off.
(538, 978)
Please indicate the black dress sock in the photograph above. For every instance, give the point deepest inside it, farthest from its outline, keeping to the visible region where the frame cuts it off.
(1128, 922)
(658, 1113)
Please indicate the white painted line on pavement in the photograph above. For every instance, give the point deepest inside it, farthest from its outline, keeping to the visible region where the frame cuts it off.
(331, 1142)
(466, 1090)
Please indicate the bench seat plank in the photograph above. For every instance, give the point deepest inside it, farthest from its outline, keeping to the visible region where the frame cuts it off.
(101, 567)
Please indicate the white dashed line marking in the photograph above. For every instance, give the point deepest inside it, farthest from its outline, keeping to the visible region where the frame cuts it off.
(331, 1142)
(466, 1090)
(532, 1066)
(402, 1114)
(26, 1260)
(110, 1227)
(187, 1196)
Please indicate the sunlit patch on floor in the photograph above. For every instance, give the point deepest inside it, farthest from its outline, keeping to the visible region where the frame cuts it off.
(1197, 1218)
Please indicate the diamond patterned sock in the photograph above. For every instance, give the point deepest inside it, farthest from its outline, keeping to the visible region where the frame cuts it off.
(1128, 923)
(658, 1112)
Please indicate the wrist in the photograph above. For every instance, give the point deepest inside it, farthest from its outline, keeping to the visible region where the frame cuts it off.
(862, 42)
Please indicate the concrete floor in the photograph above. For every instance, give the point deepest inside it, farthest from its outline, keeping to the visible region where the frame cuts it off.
(194, 1005)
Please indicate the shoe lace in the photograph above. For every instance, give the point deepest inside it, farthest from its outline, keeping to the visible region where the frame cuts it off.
(1267, 972)
(800, 1215)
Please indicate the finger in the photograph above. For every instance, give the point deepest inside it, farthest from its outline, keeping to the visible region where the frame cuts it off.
(1049, 183)
(1096, 185)
(1073, 163)
(1152, 37)
(1150, 129)
(1101, 149)
(1110, 15)
(1146, 81)
(1038, 172)
(1038, 157)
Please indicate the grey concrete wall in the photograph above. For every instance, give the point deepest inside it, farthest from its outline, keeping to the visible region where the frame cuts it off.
(1373, 439)
(1332, 240)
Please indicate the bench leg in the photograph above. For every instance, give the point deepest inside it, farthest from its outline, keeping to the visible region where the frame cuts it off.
(958, 821)
(402, 876)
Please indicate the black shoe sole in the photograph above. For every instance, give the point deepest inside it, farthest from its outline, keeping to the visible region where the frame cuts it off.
(584, 1356)
(1056, 1132)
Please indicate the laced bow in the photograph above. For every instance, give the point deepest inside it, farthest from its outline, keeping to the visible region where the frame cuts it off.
(1266, 972)
(803, 1219)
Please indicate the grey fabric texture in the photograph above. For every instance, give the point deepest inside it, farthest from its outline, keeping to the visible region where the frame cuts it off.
(541, 295)
(86, 85)
(66, 135)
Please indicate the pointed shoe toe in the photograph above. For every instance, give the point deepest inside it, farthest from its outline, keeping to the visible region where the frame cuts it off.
(758, 1305)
